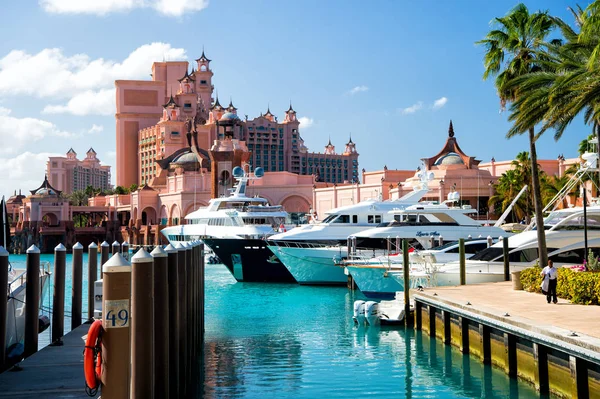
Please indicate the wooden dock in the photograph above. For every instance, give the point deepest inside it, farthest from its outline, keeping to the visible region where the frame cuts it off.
(53, 372)
(556, 347)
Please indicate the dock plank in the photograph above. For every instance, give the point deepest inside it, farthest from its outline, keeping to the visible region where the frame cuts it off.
(53, 372)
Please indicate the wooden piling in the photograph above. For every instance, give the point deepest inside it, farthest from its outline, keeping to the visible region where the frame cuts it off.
(505, 258)
(190, 314)
(92, 277)
(461, 255)
(116, 295)
(104, 255)
(142, 322)
(172, 254)
(161, 323)
(406, 271)
(182, 309)
(125, 250)
(116, 247)
(77, 285)
(58, 297)
(201, 295)
(32, 301)
(3, 304)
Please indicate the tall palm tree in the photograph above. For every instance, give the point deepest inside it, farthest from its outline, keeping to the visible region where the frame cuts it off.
(511, 52)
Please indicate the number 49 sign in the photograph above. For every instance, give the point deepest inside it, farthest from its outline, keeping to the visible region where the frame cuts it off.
(116, 313)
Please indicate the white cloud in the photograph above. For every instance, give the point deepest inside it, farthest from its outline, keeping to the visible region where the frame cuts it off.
(439, 103)
(357, 89)
(176, 8)
(171, 8)
(96, 129)
(24, 171)
(306, 122)
(413, 108)
(50, 73)
(15, 133)
(101, 102)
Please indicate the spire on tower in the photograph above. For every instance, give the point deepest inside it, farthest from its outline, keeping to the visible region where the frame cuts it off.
(203, 57)
(451, 129)
(230, 107)
(268, 113)
(291, 109)
(171, 103)
(216, 105)
(350, 141)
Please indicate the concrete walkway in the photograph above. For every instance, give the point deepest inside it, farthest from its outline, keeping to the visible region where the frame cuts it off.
(525, 309)
(53, 372)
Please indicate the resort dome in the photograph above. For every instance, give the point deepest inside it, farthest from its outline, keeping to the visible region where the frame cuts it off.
(45, 191)
(185, 158)
(450, 158)
(229, 116)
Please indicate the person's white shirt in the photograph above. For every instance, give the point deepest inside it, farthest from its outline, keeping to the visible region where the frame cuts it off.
(551, 272)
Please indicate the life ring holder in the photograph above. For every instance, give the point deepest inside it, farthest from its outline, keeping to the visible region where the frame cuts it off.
(92, 358)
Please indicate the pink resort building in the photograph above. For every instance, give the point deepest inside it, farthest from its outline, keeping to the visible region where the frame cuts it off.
(179, 145)
(69, 174)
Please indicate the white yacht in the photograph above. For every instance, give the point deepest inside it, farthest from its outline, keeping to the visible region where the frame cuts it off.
(423, 224)
(235, 216)
(307, 251)
(564, 239)
(234, 228)
(373, 274)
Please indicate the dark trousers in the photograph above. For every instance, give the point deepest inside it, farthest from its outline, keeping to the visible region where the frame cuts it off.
(551, 291)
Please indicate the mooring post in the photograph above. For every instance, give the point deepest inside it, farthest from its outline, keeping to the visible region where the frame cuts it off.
(486, 343)
(579, 377)
(432, 311)
(3, 302)
(172, 254)
(116, 247)
(406, 272)
(447, 325)
(58, 298)
(32, 301)
(201, 293)
(116, 296)
(104, 255)
(505, 258)
(540, 357)
(190, 322)
(161, 323)
(461, 254)
(192, 249)
(182, 313)
(77, 285)
(92, 277)
(142, 324)
(125, 250)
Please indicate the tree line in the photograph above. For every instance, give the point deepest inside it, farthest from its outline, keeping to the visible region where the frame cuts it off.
(545, 82)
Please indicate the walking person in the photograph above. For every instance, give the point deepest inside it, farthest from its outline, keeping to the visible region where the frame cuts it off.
(549, 273)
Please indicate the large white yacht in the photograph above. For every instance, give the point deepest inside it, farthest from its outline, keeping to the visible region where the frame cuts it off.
(235, 216)
(307, 251)
(564, 239)
(236, 219)
(423, 225)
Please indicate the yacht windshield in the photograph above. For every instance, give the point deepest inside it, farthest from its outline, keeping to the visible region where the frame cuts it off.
(490, 253)
(329, 218)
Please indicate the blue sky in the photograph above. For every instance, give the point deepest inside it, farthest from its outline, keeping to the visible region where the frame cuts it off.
(372, 69)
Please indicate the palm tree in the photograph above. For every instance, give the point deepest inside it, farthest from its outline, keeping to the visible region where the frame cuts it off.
(506, 189)
(511, 52)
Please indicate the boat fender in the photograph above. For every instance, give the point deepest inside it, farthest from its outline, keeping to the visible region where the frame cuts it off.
(92, 358)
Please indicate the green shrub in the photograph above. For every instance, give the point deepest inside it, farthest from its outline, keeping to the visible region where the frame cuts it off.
(578, 287)
(531, 279)
(564, 285)
(593, 263)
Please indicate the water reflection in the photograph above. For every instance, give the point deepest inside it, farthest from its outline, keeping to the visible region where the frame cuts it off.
(280, 341)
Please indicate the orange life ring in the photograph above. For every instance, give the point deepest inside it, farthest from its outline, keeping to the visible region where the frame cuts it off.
(93, 354)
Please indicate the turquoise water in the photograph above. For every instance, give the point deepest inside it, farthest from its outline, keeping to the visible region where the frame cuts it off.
(19, 262)
(292, 341)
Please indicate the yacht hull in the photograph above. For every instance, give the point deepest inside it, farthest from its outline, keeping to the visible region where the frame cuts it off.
(375, 282)
(312, 266)
(249, 260)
